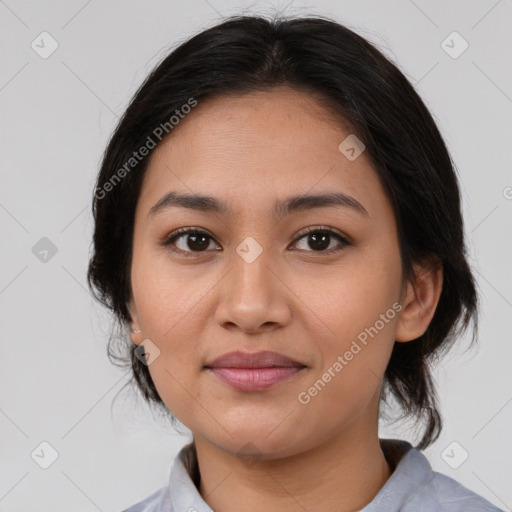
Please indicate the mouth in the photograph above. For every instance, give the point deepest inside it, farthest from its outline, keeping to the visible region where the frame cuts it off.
(254, 372)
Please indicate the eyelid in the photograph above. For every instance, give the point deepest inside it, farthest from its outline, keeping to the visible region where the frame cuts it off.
(331, 229)
(184, 231)
(168, 240)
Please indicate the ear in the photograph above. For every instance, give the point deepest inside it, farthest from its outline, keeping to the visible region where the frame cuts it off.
(136, 337)
(419, 300)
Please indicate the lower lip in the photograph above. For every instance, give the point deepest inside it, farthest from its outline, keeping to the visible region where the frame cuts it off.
(255, 379)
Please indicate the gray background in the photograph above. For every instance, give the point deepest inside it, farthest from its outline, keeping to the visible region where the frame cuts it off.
(56, 382)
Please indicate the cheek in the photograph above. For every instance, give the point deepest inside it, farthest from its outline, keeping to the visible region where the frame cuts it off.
(351, 297)
(358, 310)
(353, 364)
(169, 298)
(169, 307)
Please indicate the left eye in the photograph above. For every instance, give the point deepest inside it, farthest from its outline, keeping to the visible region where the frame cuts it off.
(320, 240)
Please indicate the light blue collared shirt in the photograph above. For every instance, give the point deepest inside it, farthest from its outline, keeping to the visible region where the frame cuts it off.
(412, 487)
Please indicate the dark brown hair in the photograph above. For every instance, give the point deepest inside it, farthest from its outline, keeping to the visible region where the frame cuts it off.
(355, 80)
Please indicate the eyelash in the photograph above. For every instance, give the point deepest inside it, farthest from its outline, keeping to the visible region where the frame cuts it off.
(175, 235)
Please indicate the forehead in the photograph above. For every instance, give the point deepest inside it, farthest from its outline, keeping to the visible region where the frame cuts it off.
(259, 147)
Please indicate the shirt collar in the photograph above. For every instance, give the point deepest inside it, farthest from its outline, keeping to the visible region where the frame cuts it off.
(411, 471)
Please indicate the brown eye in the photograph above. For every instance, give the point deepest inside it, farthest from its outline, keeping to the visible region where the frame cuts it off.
(197, 242)
(194, 241)
(320, 240)
(188, 240)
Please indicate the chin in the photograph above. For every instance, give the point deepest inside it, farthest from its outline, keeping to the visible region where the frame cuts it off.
(257, 444)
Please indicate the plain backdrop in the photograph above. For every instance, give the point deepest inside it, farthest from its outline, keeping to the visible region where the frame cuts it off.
(57, 113)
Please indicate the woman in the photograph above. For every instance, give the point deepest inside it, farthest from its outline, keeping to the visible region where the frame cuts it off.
(278, 221)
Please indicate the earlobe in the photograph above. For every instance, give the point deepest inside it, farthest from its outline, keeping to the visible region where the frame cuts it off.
(420, 302)
(135, 330)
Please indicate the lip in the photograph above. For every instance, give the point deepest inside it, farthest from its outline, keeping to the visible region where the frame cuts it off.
(257, 371)
(262, 359)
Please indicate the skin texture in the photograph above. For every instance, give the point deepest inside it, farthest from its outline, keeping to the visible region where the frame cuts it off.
(250, 151)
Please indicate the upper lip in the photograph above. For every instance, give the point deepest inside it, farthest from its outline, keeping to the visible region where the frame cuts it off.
(263, 359)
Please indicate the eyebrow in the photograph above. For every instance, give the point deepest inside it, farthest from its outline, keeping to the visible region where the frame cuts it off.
(293, 204)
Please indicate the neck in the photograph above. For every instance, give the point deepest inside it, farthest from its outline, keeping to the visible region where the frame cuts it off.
(343, 474)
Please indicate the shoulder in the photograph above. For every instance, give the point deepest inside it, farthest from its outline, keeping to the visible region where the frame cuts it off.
(179, 494)
(444, 494)
(437, 491)
(415, 487)
(156, 502)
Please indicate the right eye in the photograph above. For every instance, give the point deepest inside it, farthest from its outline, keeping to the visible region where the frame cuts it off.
(188, 241)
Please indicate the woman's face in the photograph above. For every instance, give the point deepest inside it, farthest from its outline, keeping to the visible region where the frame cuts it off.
(257, 281)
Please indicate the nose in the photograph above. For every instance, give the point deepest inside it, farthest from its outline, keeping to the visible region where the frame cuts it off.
(252, 297)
